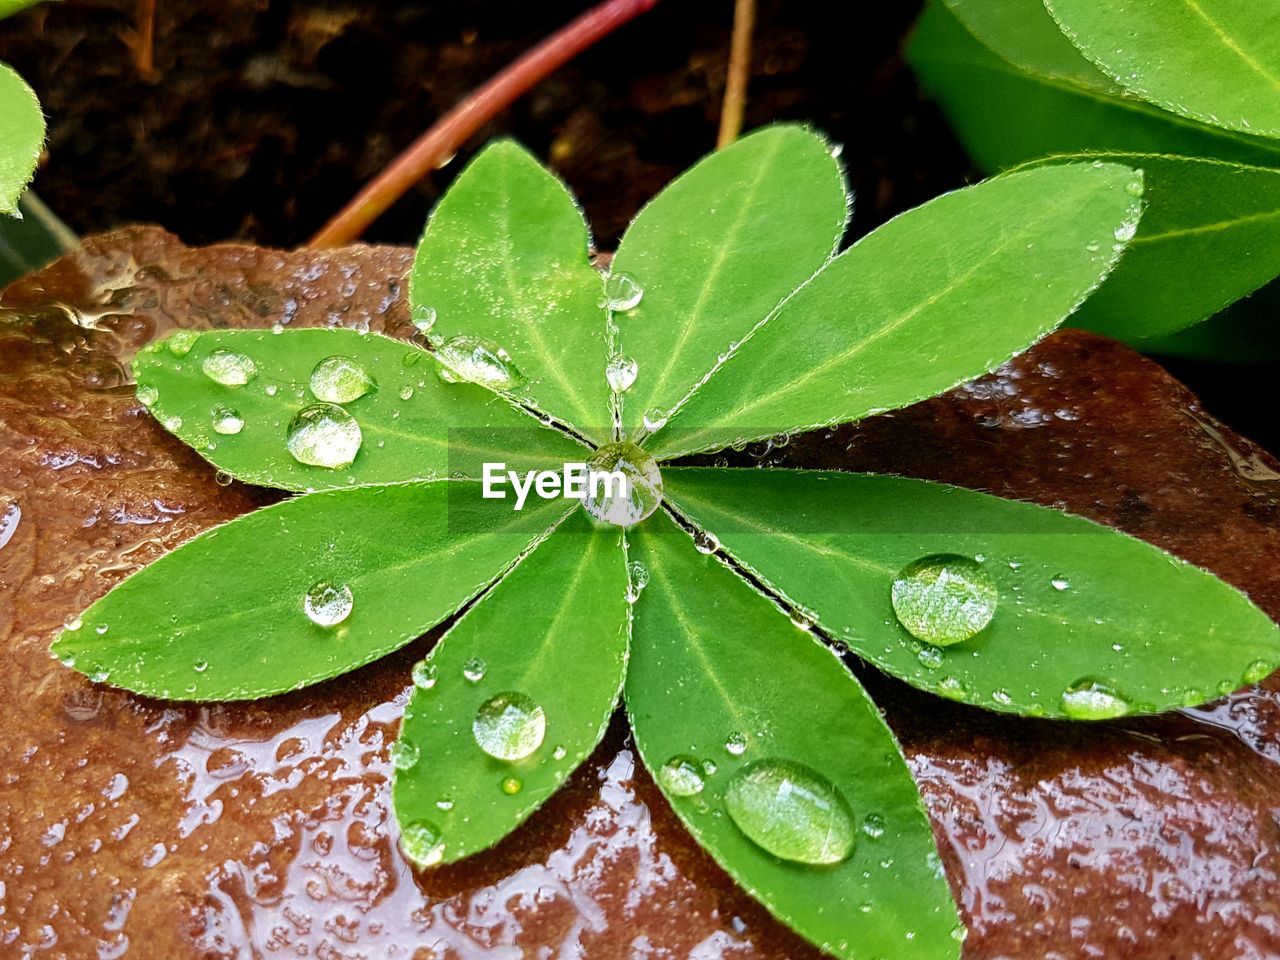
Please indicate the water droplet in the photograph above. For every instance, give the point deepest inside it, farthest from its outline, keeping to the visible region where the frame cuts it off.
(477, 360)
(1090, 699)
(270, 389)
(340, 380)
(227, 421)
(1093, 246)
(1134, 188)
(404, 754)
(172, 424)
(1060, 583)
(473, 670)
(72, 623)
(223, 479)
(201, 666)
(620, 373)
(1125, 232)
(873, 826)
(424, 318)
(952, 688)
(736, 744)
(622, 291)
(229, 368)
(930, 657)
(444, 803)
(327, 604)
(180, 342)
(421, 843)
(1258, 671)
(424, 674)
(324, 435)
(509, 726)
(682, 776)
(959, 932)
(944, 598)
(406, 393)
(624, 484)
(791, 812)
(511, 786)
(803, 618)
(148, 395)
(704, 541)
(559, 753)
(637, 580)
(655, 418)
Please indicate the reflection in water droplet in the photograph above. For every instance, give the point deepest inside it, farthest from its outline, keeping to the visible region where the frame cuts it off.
(682, 776)
(327, 604)
(791, 812)
(705, 542)
(624, 484)
(509, 726)
(227, 421)
(404, 754)
(340, 380)
(324, 435)
(622, 291)
(473, 670)
(477, 360)
(944, 598)
(229, 368)
(620, 373)
(424, 318)
(148, 395)
(421, 843)
(1090, 699)
(424, 674)
(511, 786)
(180, 342)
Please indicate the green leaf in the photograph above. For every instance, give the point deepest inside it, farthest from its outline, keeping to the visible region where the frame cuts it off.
(32, 240)
(9, 7)
(412, 425)
(1217, 61)
(21, 137)
(1242, 333)
(223, 618)
(714, 664)
(935, 297)
(1014, 93)
(1210, 235)
(551, 636)
(505, 258)
(1078, 602)
(718, 250)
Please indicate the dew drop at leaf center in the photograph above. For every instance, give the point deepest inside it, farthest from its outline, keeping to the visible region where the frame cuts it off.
(324, 435)
(944, 598)
(509, 726)
(791, 811)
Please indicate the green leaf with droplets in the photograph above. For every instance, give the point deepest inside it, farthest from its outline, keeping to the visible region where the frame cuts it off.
(505, 257)
(412, 425)
(21, 137)
(717, 251)
(1015, 89)
(715, 664)
(223, 617)
(1209, 236)
(564, 658)
(993, 268)
(1078, 603)
(1216, 61)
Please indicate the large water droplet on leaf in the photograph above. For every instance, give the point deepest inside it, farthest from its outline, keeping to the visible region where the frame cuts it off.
(791, 811)
(944, 598)
(421, 843)
(509, 726)
(340, 380)
(620, 373)
(624, 484)
(682, 776)
(1090, 699)
(622, 291)
(327, 604)
(229, 368)
(477, 360)
(324, 435)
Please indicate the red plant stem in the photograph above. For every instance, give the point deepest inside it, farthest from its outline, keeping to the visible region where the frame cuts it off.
(735, 88)
(444, 139)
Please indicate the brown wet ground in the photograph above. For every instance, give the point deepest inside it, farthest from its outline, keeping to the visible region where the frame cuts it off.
(135, 827)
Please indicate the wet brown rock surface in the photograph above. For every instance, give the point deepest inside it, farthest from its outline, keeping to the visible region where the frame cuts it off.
(153, 829)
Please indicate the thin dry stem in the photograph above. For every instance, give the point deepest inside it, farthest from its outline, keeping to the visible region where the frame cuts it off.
(735, 88)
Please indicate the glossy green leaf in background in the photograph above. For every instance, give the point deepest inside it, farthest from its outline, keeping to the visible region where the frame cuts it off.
(505, 257)
(1014, 92)
(554, 631)
(21, 137)
(1078, 602)
(1210, 234)
(718, 250)
(222, 617)
(413, 425)
(937, 296)
(715, 665)
(9, 7)
(1217, 61)
(1245, 332)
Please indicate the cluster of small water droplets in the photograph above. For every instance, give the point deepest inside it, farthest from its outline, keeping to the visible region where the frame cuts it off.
(340, 380)
(229, 368)
(327, 604)
(509, 726)
(635, 498)
(324, 435)
(944, 599)
(477, 360)
(791, 811)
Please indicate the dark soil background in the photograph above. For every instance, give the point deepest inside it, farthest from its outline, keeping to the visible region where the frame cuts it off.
(259, 119)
